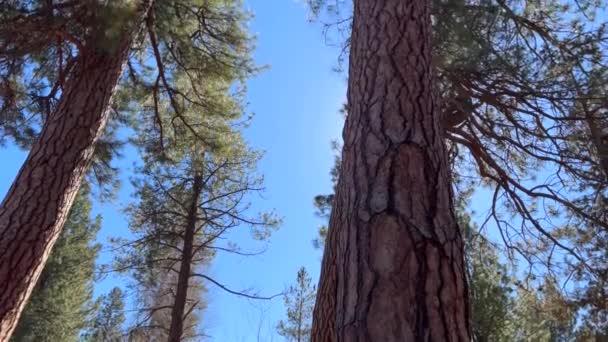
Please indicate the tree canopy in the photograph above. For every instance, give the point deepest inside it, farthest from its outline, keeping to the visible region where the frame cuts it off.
(184, 62)
(106, 325)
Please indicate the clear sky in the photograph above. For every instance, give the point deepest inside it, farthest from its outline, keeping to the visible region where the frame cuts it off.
(296, 102)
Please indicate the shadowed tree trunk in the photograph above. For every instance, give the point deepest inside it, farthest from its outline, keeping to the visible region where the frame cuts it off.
(393, 267)
(181, 295)
(599, 138)
(36, 206)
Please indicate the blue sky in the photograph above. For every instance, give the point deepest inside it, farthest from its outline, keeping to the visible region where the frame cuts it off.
(296, 102)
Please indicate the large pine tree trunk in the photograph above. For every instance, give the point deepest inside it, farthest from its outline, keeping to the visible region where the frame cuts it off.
(36, 206)
(181, 294)
(393, 267)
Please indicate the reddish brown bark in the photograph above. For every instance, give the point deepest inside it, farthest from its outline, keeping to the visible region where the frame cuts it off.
(35, 208)
(393, 267)
(181, 295)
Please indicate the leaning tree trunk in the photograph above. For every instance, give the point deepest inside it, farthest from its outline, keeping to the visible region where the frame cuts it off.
(393, 267)
(181, 294)
(36, 206)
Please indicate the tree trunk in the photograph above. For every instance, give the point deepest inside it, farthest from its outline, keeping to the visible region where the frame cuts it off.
(181, 294)
(37, 204)
(300, 318)
(599, 138)
(393, 268)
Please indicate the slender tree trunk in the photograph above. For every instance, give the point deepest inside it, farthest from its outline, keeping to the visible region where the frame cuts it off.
(393, 268)
(36, 206)
(300, 318)
(181, 295)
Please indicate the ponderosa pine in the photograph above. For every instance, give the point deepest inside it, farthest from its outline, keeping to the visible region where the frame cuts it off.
(106, 325)
(393, 267)
(299, 300)
(187, 206)
(522, 85)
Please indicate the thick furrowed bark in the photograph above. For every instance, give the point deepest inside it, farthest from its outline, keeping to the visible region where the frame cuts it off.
(393, 267)
(36, 206)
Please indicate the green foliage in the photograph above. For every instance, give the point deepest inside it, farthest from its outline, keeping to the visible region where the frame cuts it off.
(184, 68)
(180, 94)
(62, 299)
(299, 301)
(323, 203)
(193, 88)
(489, 291)
(541, 314)
(530, 313)
(522, 87)
(168, 202)
(498, 313)
(106, 326)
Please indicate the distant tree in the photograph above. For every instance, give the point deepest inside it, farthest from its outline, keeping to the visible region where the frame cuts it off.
(541, 314)
(106, 325)
(299, 302)
(323, 203)
(489, 286)
(62, 298)
(189, 201)
(155, 288)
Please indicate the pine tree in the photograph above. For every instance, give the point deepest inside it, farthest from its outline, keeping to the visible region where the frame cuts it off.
(106, 326)
(489, 286)
(189, 200)
(521, 84)
(393, 267)
(299, 301)
(541, 314)
(324, 203)
(61, 69)
(62, 298)
(158, 299)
